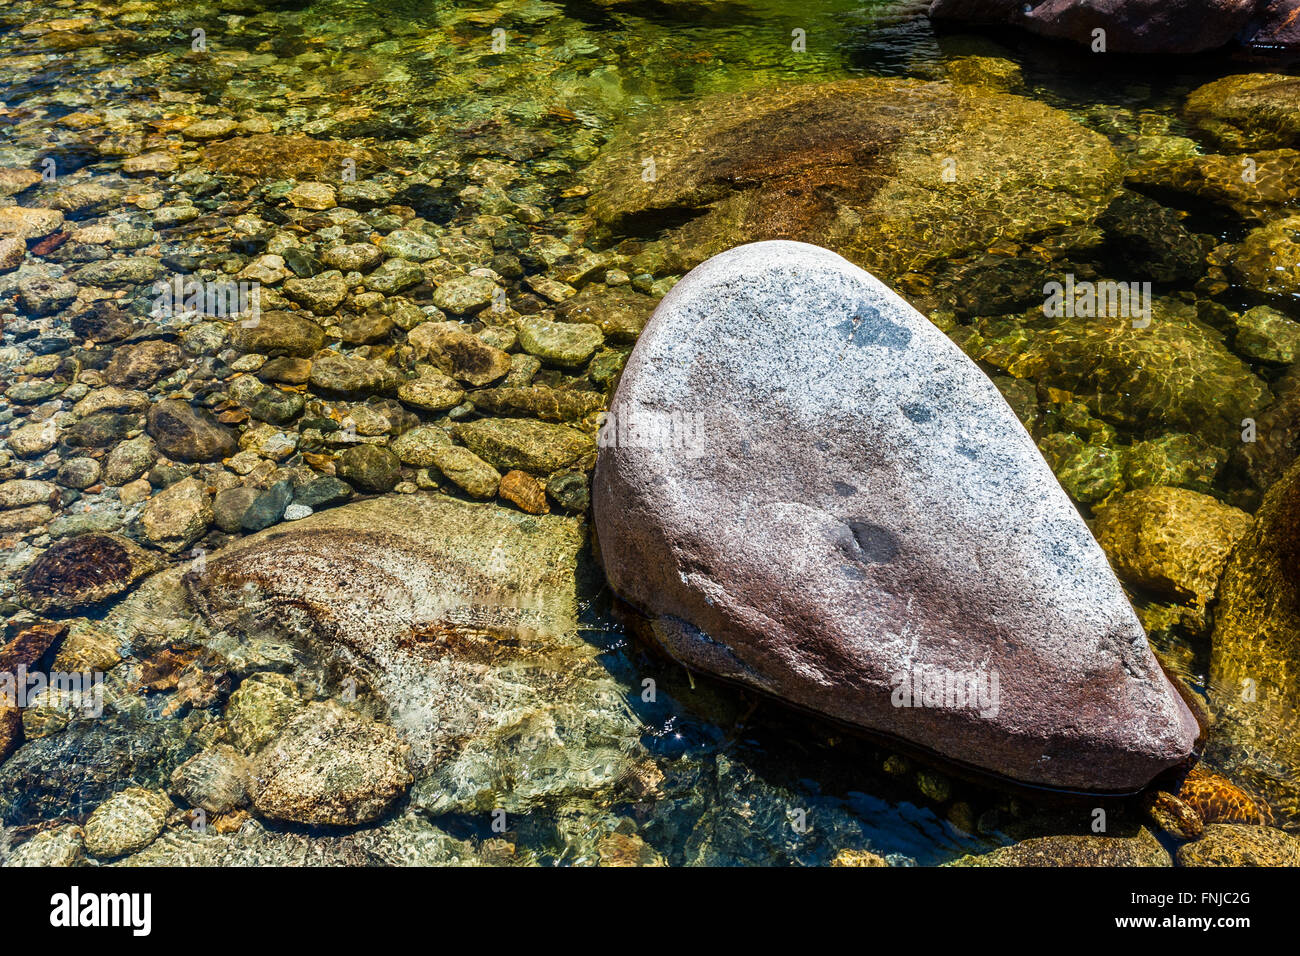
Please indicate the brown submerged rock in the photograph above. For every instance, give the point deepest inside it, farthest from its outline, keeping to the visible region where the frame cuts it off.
(26, 648)
(81, 571)
(272, 156)
(459, 617)
(893, 174)
(330, 766)
(189, 433)
(863, 509)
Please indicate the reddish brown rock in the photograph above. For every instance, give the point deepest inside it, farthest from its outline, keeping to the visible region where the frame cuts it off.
(1133, 26)
(81, 571)
(524, 490)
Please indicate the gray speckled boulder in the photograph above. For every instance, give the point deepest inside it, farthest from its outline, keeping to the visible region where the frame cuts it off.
(843, 499)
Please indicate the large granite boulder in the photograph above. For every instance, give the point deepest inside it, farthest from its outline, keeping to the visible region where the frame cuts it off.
(813, 492)
(1134, 26)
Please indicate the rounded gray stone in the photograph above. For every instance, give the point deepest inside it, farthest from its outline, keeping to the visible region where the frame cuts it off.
(819, 495)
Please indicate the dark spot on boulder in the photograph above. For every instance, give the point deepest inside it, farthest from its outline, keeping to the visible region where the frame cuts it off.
(871, 328)
(918, 413)
(878, 545)
(844, 489)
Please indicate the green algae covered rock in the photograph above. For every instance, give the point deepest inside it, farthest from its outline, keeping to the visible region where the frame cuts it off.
(1248, 111)
(536, 447)
(1268, 259)
(1140, 850)
(1176, 370)
(1266, 335)
(1227, 844)
(1255, 647)
(1254, 186)
(1170, 540)
(1177, 459)
(893, 174)
(1088, 472)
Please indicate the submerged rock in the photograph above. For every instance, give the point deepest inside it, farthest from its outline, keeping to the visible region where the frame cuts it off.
(1273, 183)
(1226, 844)
(128, 821)
(1255, 648)
(1176, 370)
(1268, 259)
(63, 846)
(461, 618)
(1249, 111)
(893, 174)
(1141, 850)
(81, 571)
(864, 509)
(329, 766)
(1171, 540)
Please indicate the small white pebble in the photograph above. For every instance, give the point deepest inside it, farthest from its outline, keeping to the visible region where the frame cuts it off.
(294, 512)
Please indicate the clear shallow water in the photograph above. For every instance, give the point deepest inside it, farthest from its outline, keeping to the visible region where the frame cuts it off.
(422, 81)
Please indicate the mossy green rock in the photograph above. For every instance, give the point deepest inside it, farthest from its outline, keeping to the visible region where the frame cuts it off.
(1228, 844)
(369, 468)
(537, 401)
(1177, 370)
(893, 174)
(467, 470)
(417, 446)
(1248, 111)
(1266, 335)
(1176, 459)
(561, 343)
(1089, 473)
(1268, 259)
(1170, 540)
(537, 447)
(1141, 850)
